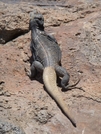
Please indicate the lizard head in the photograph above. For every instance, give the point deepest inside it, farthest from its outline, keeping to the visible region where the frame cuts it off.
(36, 20)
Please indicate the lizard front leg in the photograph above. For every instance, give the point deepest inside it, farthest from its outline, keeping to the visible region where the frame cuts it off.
(62, 72)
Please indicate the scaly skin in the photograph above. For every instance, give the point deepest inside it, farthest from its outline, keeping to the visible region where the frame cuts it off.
(47, 59)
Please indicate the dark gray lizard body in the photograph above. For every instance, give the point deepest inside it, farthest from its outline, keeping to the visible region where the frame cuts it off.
(47, 59)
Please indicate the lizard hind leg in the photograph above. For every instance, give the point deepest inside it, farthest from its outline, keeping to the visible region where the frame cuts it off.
(36, 66)
(62, 72)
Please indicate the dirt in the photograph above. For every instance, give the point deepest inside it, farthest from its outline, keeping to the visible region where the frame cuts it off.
(25, 107)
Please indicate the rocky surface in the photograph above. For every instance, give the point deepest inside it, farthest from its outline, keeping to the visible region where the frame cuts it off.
(25, 107)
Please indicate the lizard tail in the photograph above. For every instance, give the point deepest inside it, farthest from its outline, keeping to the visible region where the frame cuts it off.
(49, 78)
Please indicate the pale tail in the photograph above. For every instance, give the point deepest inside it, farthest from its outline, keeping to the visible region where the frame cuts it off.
(49, 78)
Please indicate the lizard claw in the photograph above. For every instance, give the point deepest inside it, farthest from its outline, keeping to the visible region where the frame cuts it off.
(69, 87)
(73, 85)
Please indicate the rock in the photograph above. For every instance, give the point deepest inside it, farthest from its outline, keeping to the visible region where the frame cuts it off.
(42, 116)
(2, 85)
(9, 128)
(13, 22)
(77, 27)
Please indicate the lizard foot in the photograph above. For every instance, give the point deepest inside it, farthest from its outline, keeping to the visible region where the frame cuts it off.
(28, 72)
(73, 86)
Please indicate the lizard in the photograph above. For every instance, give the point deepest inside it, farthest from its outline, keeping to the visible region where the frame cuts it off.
(46, 55)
